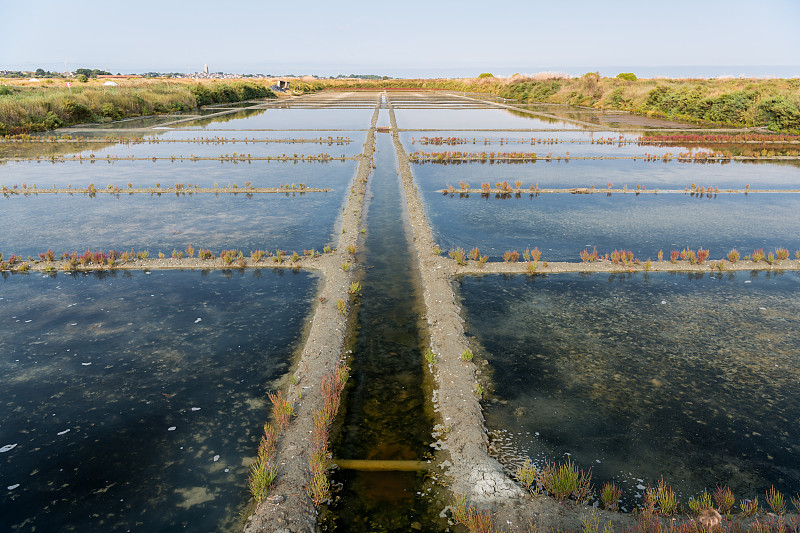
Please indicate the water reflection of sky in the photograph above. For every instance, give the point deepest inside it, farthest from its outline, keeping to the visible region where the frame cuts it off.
(586, 173)
(637, 376)
(286, 119)
(444, 119)
(133, 399)
(166, 173)
(31, 225)
(561, 225)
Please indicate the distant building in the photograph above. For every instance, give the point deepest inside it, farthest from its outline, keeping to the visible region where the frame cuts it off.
(205, 70)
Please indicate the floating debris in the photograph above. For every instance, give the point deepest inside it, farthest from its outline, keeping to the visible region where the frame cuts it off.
(64, 432)
(198, 320)
(172, 428)
(7, 448)
(12, 487)
(216, 458)
(196, 408)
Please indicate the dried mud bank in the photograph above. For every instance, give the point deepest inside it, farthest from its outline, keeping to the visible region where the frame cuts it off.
(474, 474)
(287, 507)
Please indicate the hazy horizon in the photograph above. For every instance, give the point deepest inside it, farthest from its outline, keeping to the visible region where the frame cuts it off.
(413, 39)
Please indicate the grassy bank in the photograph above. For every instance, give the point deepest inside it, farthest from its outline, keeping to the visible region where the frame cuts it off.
(26, 108)
(774, 103)
(770, 103)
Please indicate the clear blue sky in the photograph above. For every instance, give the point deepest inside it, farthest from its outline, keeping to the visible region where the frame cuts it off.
(406, 38)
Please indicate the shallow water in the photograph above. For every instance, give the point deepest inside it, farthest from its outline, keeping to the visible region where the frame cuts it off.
(474, 119)
(45, 174)
(135, 400)
(290, 222)
(621, 173)
(693, 377)
(286, 119)
(563, 143)
(561, 225)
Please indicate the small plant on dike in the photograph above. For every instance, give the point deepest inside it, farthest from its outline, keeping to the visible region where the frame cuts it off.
(262, 474)
(467, 355)
(530, 267)
(563, 481)
(702, 255)
(352, 249)
(733, 255)
(295, 257)
(478, 391)
(205, 254)
(749, 507)
(758, 255)
(701, 503)
(161, 255)
(666, 498)
(661, 255)
(674, 255)
(190, 251)
(511, 257)
(776, 501)
(327, 249)
(475, 254)
(429, 357)
(610, 495)
(482, 261)
(782, 254)
(475, 521)
(724, 499)
(437, 250)
(771, 258)
(527, 475)
(345, 267)
(341, 306)
(355, 288)
(648, 264)
(458, 256)
(796, 502)
(256, 255)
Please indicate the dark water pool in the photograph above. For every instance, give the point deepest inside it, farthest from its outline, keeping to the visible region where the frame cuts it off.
(693, 377)
(134, 401)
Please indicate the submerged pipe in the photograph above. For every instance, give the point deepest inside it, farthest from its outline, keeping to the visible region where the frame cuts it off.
(381, 465)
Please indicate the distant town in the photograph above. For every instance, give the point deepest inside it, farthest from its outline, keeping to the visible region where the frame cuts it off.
(202, 74)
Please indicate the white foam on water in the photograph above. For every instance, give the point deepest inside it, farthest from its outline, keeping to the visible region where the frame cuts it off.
(85, 364)
(196, 408)
(64, 432)
(172, 428)
(216, 458)
(198, 320)
(12, 487)
(7, 448)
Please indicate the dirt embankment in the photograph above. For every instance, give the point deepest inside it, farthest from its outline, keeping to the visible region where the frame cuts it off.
(288, 507)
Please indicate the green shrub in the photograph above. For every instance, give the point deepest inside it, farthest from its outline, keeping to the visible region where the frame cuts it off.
(779, 113)
(627, 76)
(82, 78)
(77, 112)
(485, 75)
(51, 121)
